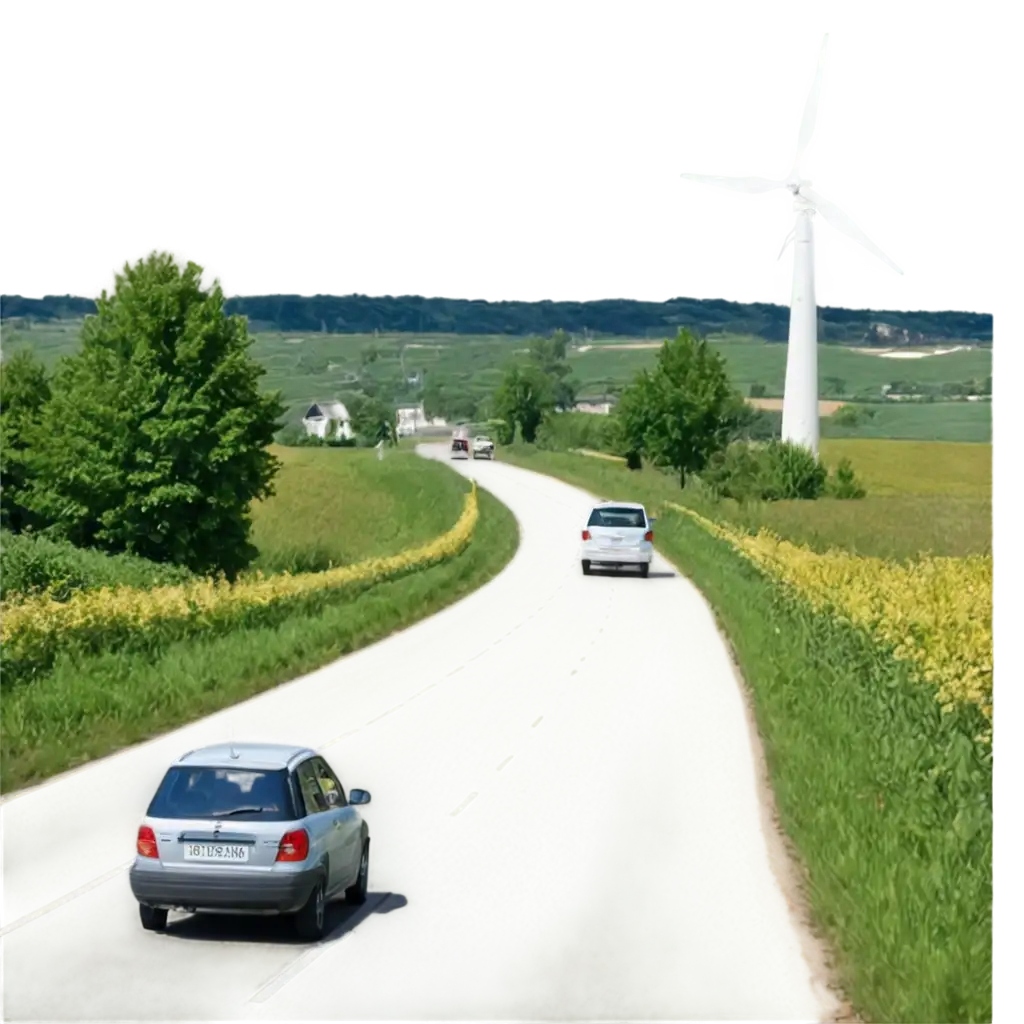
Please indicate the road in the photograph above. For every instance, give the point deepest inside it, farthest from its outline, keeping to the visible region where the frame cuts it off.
(565, 824)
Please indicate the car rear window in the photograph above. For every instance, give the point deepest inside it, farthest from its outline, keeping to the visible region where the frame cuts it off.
(618, 517)
(214, 793)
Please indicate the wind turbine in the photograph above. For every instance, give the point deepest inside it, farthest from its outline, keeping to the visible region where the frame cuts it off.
(800, 400)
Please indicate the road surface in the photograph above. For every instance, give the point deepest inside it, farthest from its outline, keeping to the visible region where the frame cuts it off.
(565, 824)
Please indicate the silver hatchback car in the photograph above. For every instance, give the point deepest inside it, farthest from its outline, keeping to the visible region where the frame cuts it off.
(618, 533)
(251, 828)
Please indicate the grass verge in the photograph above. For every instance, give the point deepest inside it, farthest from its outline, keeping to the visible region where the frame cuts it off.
(886, 800)
(91, 708)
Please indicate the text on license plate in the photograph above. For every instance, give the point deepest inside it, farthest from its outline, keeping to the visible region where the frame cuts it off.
(216, 851)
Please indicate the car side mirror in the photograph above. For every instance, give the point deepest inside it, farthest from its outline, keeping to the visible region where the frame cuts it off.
(358, 796)
(652, 520)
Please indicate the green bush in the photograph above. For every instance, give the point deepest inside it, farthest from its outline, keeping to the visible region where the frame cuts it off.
(30, 564)
(851, 416)
(791, 471)
(776, 471)
(844, 483)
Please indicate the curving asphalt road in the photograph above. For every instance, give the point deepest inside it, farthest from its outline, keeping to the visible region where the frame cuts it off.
(565, 824)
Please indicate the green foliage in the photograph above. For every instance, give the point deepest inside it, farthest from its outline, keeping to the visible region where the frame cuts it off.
(684, 411)
(449, 401)
(851, 415)
(524, 397)
(502, 430)
(565, 431)
(372, 420)
(30, 564)
(155, 439)
(791, 472)
(844, 483)
(550, 355)
(24, 391)
(775, 471)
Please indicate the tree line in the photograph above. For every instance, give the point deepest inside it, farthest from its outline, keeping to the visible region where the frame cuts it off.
(363, 314)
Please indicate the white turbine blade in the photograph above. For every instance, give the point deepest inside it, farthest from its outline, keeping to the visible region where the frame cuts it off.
(755, 186)
(843, 222)
(809, 114)
(789, 238)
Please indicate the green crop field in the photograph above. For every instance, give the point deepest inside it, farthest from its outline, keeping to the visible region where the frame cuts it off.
(754, 361)
(310, 366)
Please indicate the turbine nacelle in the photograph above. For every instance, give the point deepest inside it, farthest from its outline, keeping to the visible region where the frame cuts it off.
(800, 418)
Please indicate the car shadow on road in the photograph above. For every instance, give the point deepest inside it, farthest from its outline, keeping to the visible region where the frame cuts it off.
(279, 930)
(633, 574)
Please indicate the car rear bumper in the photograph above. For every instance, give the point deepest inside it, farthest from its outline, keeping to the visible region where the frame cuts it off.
(616, 556)
(188, 889)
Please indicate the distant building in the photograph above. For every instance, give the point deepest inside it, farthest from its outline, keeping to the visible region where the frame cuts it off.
(319, 417)
(411, 419)
(601, 408)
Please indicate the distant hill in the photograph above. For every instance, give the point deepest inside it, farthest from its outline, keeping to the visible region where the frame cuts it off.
(362, 314)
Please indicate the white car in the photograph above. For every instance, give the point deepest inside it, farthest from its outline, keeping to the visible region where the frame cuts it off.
(618, 533)
(483, 447)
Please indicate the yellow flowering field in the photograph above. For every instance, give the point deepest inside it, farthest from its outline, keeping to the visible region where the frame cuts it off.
(935, 612)
(35, 629)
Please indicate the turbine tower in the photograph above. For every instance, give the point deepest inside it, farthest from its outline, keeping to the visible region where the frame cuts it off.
(800, 399)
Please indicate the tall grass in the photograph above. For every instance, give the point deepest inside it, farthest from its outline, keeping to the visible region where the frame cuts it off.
(336, 506)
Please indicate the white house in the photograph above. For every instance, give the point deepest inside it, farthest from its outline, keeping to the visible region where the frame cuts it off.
(319, 416)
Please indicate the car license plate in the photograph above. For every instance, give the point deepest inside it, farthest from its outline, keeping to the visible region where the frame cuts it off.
(217, 852)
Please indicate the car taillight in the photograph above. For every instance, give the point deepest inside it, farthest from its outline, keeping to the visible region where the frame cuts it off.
(586, 535)
(294, 845)
(146, 842)
(649, 535)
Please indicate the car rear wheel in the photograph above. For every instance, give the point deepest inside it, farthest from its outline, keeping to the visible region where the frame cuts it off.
(356, 894)
(153, 920)
(645, 568)
(586, 567)
(309, 921)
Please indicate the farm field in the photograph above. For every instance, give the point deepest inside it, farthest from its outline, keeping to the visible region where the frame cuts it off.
(333, 505)
(313, 365)
(754, 361)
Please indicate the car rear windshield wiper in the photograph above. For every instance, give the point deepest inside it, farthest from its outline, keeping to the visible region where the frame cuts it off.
(239, 810)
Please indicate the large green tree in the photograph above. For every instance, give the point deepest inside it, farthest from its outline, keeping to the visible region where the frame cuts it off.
(155, 440)
(683, 411)
(24, 391)
(550, 355)
(523, 398)
(372, 420)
